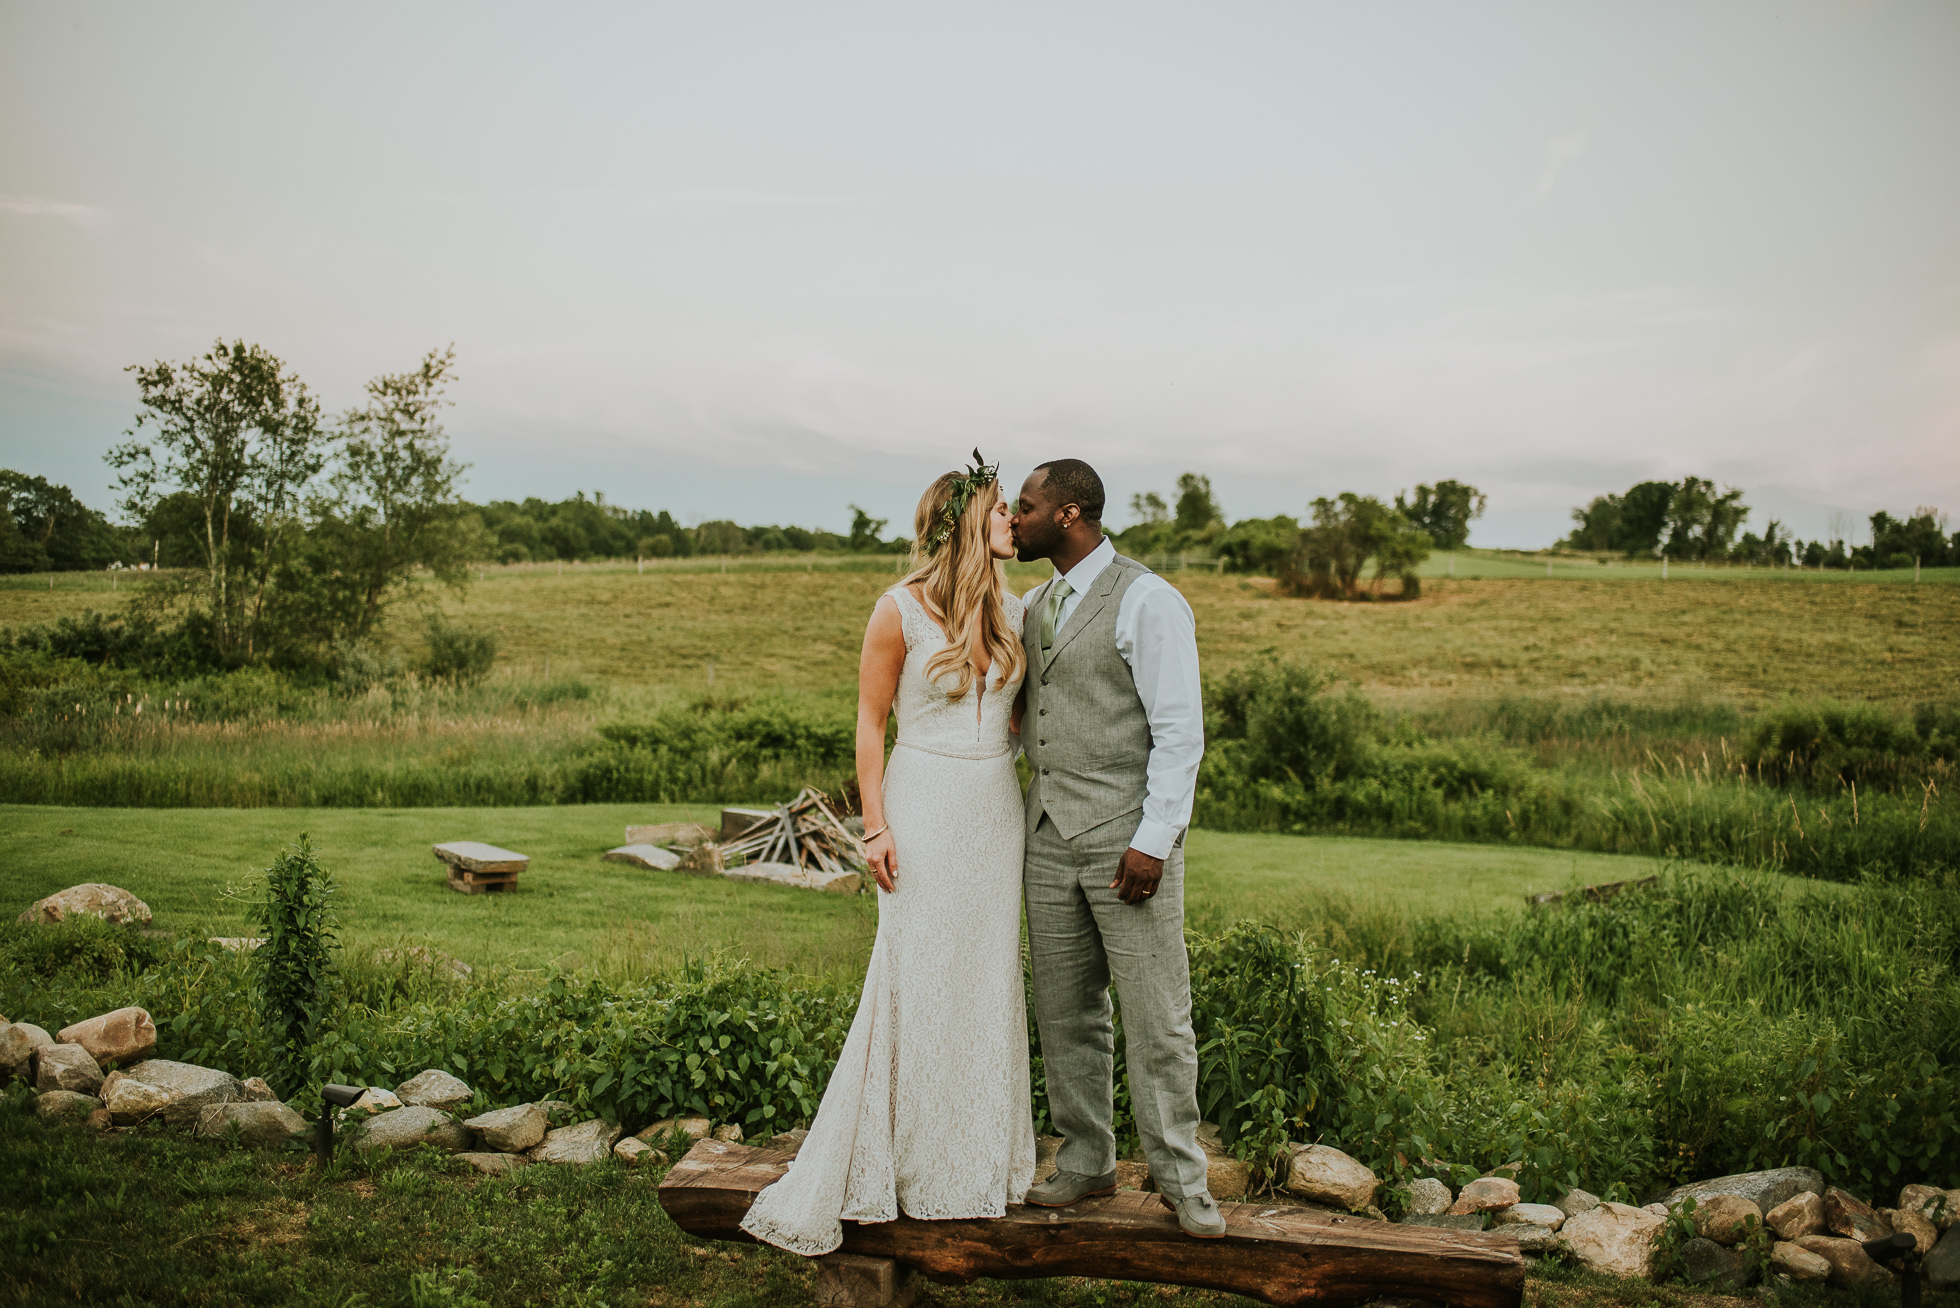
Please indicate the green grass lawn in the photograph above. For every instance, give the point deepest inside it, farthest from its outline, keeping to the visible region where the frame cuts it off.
(573, 909)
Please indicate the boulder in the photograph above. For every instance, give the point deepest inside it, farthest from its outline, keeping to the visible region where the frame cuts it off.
(66, 1067)
(91, 899)
(261, 1124)
(1764, 1189)
(404, 1128)
(65, 1106)
(652, 857)
(792, 1140)
(1225, 1176)
(1576, 1201)
(1941, 1207)
(1924, 1234)
(256, 1090)
(1529, 1215)
(373, 1100)
(688, 834)
(632, 1151)
(1325, 1175)
(1708, 1264)
(189, 1087)
(124, 1036)
(1446, 1221)
(1533, 1239)
(1797, 1262)
(18, 1041)
(1617, 1239)
(1797, 1217)
(493, 1164)
(588, 1142)
(510, 1130)
(1850, 1265)
(1659, 1210)
(1429, 1196)
(1726, 1218)
(434, 1088)
(1851, 1217)
(130, 1101)
(788, 874)
(1486, 1194)
(1941, 1268)
(728, 1133)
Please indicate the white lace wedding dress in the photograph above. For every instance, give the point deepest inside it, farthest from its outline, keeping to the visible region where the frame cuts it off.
(928, 1109)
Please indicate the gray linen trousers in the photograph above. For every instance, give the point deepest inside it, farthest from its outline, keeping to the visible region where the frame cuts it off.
(1088, 744)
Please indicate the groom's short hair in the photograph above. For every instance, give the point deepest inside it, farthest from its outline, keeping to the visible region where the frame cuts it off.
(1075, 482)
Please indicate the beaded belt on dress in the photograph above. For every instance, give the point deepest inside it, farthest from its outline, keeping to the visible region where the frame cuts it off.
(903, 743)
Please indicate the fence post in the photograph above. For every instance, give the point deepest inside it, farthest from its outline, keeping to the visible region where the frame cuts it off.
(1915, 569)
(1663, 567)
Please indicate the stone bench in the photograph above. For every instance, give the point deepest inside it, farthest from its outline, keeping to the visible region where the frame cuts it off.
(477, 869)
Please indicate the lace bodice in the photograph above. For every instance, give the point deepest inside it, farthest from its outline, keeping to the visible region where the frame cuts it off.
(928, 717)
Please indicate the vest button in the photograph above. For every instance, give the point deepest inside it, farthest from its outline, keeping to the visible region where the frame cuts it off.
(1044, 743)
(1044, 772)
(1044, 713)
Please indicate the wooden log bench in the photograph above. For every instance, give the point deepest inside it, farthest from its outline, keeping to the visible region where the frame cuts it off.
(1277, 1254)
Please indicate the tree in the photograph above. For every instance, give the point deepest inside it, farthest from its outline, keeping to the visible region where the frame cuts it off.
(865, 531)
(1643, 517)
(1702, 524)
(1598, 526)
(1444, 511)
(1150, 509)
(240, 434)
(1346, 533)
(58, 532)
(393, 506)
(1197, 507)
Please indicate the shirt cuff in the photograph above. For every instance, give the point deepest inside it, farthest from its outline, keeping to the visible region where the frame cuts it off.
(1154, 838)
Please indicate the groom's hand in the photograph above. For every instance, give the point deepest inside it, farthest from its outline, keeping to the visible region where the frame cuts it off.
(1137, 876)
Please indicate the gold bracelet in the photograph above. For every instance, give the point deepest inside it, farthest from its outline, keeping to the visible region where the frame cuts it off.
(873, 835)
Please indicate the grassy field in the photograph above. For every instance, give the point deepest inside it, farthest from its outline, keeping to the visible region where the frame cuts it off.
(574, 910)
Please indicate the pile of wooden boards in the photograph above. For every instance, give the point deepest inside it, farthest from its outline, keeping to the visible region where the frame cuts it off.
(801, 843)
(479, 869)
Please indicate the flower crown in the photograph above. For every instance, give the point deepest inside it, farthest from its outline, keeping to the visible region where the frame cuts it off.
(965, 484)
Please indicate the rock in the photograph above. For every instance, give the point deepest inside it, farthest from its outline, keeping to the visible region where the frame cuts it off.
(91, 899)
(261, 1124)
(1847, 1215)
(646, 856)
(1797, 1217)
(123, 1036)
(693, 1128)
(1576, 1201)
(475, 856)
(792, 1140)
(1532, 1238)
(1326, 1175)
(65, 1106)
(1764, 1189)
(1446, 1221)
(1429, 1196)
(66, 1067)
(788, 874)
(1924, 1234)
(510, 1130)
(189, 1087)
(688, 834)
(373, 1100)
(434, 1088)
(588, 1142)
(1706, 1263)
(130, 1101)
(256, 1090)
(632, 1150)
(1225, 1176)
(1658, 1210)
(18, 1041)
(728, 1133)
(1616, 1239)
(493, 1164)
(1797, 1262)
(1928, 1200)
(404, 1128)
(557, 1110)
(1373, 1213)
(1941, 1268)
(1133, 1175)
(1529, 1215)
(1850, 1265)
(1045, 1149)
(1726, 1218)
(1486, 1194)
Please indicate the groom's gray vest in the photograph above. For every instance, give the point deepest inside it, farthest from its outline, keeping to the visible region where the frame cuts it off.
(1085, 731)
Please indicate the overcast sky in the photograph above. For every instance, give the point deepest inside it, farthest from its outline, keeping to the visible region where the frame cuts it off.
(763, 260)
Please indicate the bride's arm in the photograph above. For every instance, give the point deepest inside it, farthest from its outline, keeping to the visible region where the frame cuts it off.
(878, 669)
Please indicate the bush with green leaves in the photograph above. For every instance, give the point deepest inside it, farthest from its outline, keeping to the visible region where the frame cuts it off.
(292, 970)
(458, 654)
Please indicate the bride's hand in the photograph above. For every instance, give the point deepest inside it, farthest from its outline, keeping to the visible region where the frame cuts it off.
(882, 854)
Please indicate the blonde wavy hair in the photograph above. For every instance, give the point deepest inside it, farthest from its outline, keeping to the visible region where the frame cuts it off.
(962, 583)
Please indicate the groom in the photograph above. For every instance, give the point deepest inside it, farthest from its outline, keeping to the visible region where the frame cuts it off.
(1114, 729)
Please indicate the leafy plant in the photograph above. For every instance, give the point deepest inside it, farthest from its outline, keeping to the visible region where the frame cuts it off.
(293, 969)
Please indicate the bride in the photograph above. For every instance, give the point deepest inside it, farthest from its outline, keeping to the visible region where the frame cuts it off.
(928, 1110)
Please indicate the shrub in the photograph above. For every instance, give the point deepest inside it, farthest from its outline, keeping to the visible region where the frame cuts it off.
(1825, 746)
(458, 654)
(293, 969)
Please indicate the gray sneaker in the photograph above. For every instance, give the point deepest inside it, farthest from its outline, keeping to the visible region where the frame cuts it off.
(1198, 1214)
(1064, 1188)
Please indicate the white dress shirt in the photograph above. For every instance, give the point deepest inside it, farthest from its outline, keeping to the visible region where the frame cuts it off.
(1158, 638)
